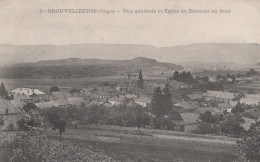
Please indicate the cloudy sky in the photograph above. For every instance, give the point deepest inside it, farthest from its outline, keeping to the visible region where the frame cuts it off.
(23, 24)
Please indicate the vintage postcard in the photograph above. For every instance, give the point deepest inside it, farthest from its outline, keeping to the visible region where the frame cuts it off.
(125, 80)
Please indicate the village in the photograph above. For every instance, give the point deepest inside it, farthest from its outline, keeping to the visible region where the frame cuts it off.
(186, 100)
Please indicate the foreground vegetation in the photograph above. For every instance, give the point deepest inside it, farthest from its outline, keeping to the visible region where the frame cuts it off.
(35, 146)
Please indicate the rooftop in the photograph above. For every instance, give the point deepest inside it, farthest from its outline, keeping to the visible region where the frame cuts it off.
(219, 94)
(27, 91)
(6, 104)
(189, 118)
(213, 110)
(143, 99)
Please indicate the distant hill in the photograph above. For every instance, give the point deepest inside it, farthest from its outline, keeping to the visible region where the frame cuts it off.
(81, 68)
(238, 53)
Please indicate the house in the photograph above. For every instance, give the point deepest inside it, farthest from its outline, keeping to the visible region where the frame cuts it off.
(131, 96)
(251, 99)
(32, 94)
(224, 108)
(61, 103)
(195, 97)
(108, 105)
(44, 105)
(143, 101)
(76, 101)
(253, 113)
(185, 106)
(116, 100)
(126, 86)
(132, 104)
(177, 85)
(9, 115)
(188, 124)
(219, 96)
(60, 95)
(20, 100)
(212, 110)
(106, 92)
(96, 103)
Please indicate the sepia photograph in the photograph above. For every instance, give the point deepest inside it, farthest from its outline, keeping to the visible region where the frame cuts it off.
(129, 81)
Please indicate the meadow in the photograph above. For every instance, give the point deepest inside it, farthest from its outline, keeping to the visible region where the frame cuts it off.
(125, 144)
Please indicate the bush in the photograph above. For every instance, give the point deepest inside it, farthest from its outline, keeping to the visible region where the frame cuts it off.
(207, 128)
(54, 89)
(250, 144)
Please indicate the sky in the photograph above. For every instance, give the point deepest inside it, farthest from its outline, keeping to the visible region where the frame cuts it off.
(23, 24)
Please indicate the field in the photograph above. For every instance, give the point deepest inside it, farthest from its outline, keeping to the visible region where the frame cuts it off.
(125, 144)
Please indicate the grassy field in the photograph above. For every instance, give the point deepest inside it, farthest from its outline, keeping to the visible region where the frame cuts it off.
(125, 144)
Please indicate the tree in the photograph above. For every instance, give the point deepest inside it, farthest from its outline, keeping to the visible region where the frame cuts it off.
(250, 144)
(233, 77)
(252, 72)
(116, 115)
(224, 78)
(156, 103)
(3, 92)
(238, 108)
(60, 125)
(218, 76)
(206, 128)
(96, 115)
(174, 115)
(176, 76)
(54, 89)
(205, 79)
(29, 106)
(207, 117)
(140, 81)
(32, 119)
(54, 117)
(166, 99)
(228, 75)
(136, 117)
(74, 90)
(231, 125)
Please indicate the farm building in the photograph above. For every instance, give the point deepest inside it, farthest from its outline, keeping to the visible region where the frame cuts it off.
(30, 94)
(194, 97)
(185, 106)
(189, 124)
(143, 101)
(224, 107)
(76, 101)
(219, 96)
(60, 95)
(9, 115)
(212, 110)
(251, 99)
(116, 100)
